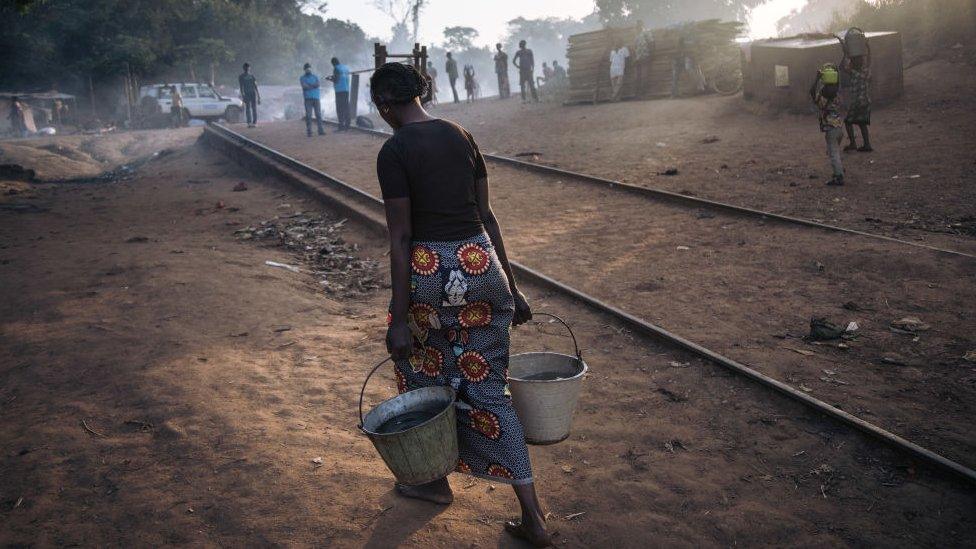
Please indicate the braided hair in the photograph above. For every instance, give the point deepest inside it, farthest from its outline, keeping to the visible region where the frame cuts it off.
(397, 84)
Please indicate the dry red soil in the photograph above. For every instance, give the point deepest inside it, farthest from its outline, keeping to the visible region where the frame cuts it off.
(161, 385)
(742, 287)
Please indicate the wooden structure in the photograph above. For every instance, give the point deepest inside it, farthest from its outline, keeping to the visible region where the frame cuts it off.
(417, 58)
(779, 72)
(589, 58)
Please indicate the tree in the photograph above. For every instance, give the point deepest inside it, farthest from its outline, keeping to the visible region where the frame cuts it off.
(459, 38)
(660, 13)
(402, 12)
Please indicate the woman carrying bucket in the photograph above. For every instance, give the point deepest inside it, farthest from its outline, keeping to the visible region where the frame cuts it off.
(454, 294)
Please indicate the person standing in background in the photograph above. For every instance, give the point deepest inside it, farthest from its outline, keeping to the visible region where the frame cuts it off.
(452, 75)
(501, 71)
(17, 116)
(469, 82)
(176, 107)
(558, 72)
(643, 51)
(340, 79)
(432, 72)
(524, 60)
(859, 101)
(249, 95)
(311, 94)
(618, 62)
(824, 93)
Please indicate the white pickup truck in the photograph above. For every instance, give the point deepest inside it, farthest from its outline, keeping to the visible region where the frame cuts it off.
(199, 101)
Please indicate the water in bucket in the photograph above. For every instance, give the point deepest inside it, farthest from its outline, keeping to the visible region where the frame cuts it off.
(545, 376)
(408, 420)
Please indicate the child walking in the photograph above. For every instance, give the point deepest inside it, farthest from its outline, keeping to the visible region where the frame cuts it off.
(825, 95)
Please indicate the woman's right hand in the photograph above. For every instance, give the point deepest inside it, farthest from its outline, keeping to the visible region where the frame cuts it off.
(398, 341)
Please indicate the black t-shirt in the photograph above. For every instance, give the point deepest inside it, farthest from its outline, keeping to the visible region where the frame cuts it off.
(435, 163)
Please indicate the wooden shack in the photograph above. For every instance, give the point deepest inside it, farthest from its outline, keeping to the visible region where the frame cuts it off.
(589, 58)
(779, 72)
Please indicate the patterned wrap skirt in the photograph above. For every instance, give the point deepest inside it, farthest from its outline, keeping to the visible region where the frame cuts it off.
(460, 315)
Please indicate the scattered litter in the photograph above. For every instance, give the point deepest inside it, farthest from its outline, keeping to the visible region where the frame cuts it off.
(970, 356)
(661, 144)
(572, 516)
(669, 171)
(240, 187)
(852, 327)
(47, 130)
(567, 469)
(822, 329)
(682, 248)
(805, 389)
(909, 325)
(19, 501)
(674, 444)
(803, 352)
(279, 329)
(316, 242)
(710, 139)
(914, 176)
(291, 268)
(137, 239)
(676, 364)
(317, 461)
(529, 153)
(892, 358)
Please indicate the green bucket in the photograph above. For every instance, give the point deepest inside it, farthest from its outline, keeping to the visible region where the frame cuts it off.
(422, 453)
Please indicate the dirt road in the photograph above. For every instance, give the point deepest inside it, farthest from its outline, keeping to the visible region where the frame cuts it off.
(916, 185)
(742, 287)
(162, 386)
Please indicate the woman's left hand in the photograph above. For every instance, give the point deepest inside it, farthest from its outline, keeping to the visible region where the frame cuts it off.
(523, 313)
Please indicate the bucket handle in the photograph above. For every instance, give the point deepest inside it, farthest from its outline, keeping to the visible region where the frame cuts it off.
(363, 390)
(579, 355)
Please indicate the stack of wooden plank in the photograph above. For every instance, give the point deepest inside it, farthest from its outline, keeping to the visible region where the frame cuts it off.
(589, 58)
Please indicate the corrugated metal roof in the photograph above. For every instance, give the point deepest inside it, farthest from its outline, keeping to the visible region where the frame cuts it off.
(808, 41)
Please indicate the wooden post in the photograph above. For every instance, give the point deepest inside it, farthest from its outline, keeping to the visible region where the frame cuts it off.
(128, 94)
(354, 97)
(379, 55)
(91, 95)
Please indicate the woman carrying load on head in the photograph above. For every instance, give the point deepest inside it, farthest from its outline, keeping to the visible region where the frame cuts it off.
(454, 294)
(859, 101)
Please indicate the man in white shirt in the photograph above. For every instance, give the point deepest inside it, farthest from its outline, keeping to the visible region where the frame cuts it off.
(618, 60)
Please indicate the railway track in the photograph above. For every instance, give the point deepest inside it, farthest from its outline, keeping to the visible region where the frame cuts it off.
(660, 195)
(369, 209)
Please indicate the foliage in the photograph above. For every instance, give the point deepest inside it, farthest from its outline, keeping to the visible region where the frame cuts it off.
(459, 38)
(61, 43)
(661, 13)
(927, 26)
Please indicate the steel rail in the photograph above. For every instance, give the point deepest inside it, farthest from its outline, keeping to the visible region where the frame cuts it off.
(638, 324)
(670, 196)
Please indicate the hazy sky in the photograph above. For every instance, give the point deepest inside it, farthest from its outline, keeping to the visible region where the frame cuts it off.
(490, 16)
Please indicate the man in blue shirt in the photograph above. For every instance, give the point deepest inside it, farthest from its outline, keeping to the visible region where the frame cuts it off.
(310, 91)
(340, 79)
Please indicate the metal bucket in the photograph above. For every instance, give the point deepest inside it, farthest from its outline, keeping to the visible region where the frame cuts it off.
(422, 453)
(545, 407)
(855, 42)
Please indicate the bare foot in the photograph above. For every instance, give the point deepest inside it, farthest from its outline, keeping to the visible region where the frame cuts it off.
(537, 536)
(438, 492)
